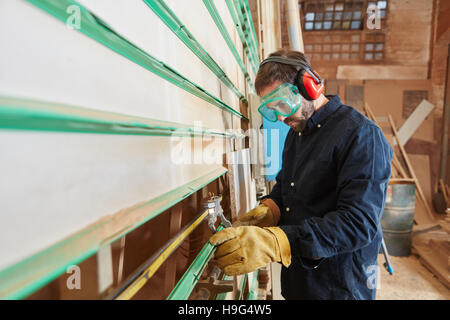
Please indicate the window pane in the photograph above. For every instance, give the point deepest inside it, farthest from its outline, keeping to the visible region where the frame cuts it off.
(309, 16)
(345, 47)
(358, 5)
(355, 24)
(337, 25)
(319, 15)
(357, 15)
(379, 47)
(368, 56)
(308, 47)
(329, 7)
(308, 26)
(326, 56)
(345, 56)
(328, 15)
(347, 15)
(336, 56)
(336, 47)
(327, 25)
(382, 4)
(378, 56)
(317, 47)
(369, 46)
(382, 14)
(354, 56)
(355, 47)
(346, 25)
(311, 7)
(355, 38)
(318, 26)
(337, 15)
(326, 47)
(340, 6)
(317, 56)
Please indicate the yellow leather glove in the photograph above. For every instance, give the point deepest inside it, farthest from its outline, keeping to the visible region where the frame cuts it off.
(245, 249)
(266, 214)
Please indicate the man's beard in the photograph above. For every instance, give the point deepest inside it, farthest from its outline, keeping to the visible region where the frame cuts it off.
(299, 120)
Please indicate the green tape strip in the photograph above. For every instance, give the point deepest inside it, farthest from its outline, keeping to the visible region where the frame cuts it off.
(182, 32)
(23, 278)
(26, 114)
(226, 36)
(184, 287)
(98, 30)
(244, 33)
(253, 291)
(246, 23)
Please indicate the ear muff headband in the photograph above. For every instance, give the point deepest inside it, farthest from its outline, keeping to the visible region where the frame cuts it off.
(308, 81)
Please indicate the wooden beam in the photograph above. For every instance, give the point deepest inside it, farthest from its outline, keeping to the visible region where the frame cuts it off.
(364, 72)
(395, 160)
(411, 169)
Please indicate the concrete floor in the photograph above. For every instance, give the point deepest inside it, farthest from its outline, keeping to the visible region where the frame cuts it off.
(411, 281)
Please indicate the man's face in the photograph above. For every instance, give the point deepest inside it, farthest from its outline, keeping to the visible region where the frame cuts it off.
(298, 120)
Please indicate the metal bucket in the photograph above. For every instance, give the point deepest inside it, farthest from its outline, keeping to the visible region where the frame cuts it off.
(398, 216)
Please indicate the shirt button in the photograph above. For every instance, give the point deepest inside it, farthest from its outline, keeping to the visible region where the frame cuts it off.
(318, 126)
(287, 209)
(299, 134)
(292, 184)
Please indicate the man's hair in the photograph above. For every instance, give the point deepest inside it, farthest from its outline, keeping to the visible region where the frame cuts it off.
(272, 71)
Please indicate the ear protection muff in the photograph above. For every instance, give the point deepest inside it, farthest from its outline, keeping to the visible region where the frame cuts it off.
(309, 83)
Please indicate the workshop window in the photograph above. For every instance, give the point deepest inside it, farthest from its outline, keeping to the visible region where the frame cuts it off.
(337, 31)
(336, 47)
(374, 47)
(338, 15)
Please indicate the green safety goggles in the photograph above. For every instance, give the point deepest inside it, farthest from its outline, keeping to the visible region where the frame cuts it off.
(284, 101)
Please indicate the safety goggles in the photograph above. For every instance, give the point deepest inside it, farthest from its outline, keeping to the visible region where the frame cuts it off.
(284, 101)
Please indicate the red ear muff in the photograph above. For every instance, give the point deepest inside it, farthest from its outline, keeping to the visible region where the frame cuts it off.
(309, 86)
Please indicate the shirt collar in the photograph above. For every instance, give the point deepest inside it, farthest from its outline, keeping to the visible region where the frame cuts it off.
(320, 115)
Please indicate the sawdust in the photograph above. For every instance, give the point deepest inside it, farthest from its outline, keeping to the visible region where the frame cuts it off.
(411, 281)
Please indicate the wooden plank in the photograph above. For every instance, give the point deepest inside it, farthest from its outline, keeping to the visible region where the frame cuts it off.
(414, 121)
(364, 72)
(104, 268)
(176, 213)
(411, 170)
(395, 161)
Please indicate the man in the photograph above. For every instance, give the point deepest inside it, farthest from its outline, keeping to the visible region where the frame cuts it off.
(322, 218)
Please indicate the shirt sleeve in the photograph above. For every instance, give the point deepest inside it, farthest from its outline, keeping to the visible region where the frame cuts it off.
(364, 169)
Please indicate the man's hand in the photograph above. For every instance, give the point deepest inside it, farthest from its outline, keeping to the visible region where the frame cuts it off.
(266, 214)
(245, 249)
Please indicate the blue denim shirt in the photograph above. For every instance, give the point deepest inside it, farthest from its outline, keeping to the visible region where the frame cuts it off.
(331, 191)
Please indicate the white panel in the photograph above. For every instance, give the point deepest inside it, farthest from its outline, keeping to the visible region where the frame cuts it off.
(414, 121)
(208, 35)
(53, 185)
(134, 20)
(43, 59)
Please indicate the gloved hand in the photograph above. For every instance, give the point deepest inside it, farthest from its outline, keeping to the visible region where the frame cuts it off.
(245, 249)
(265, 215)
